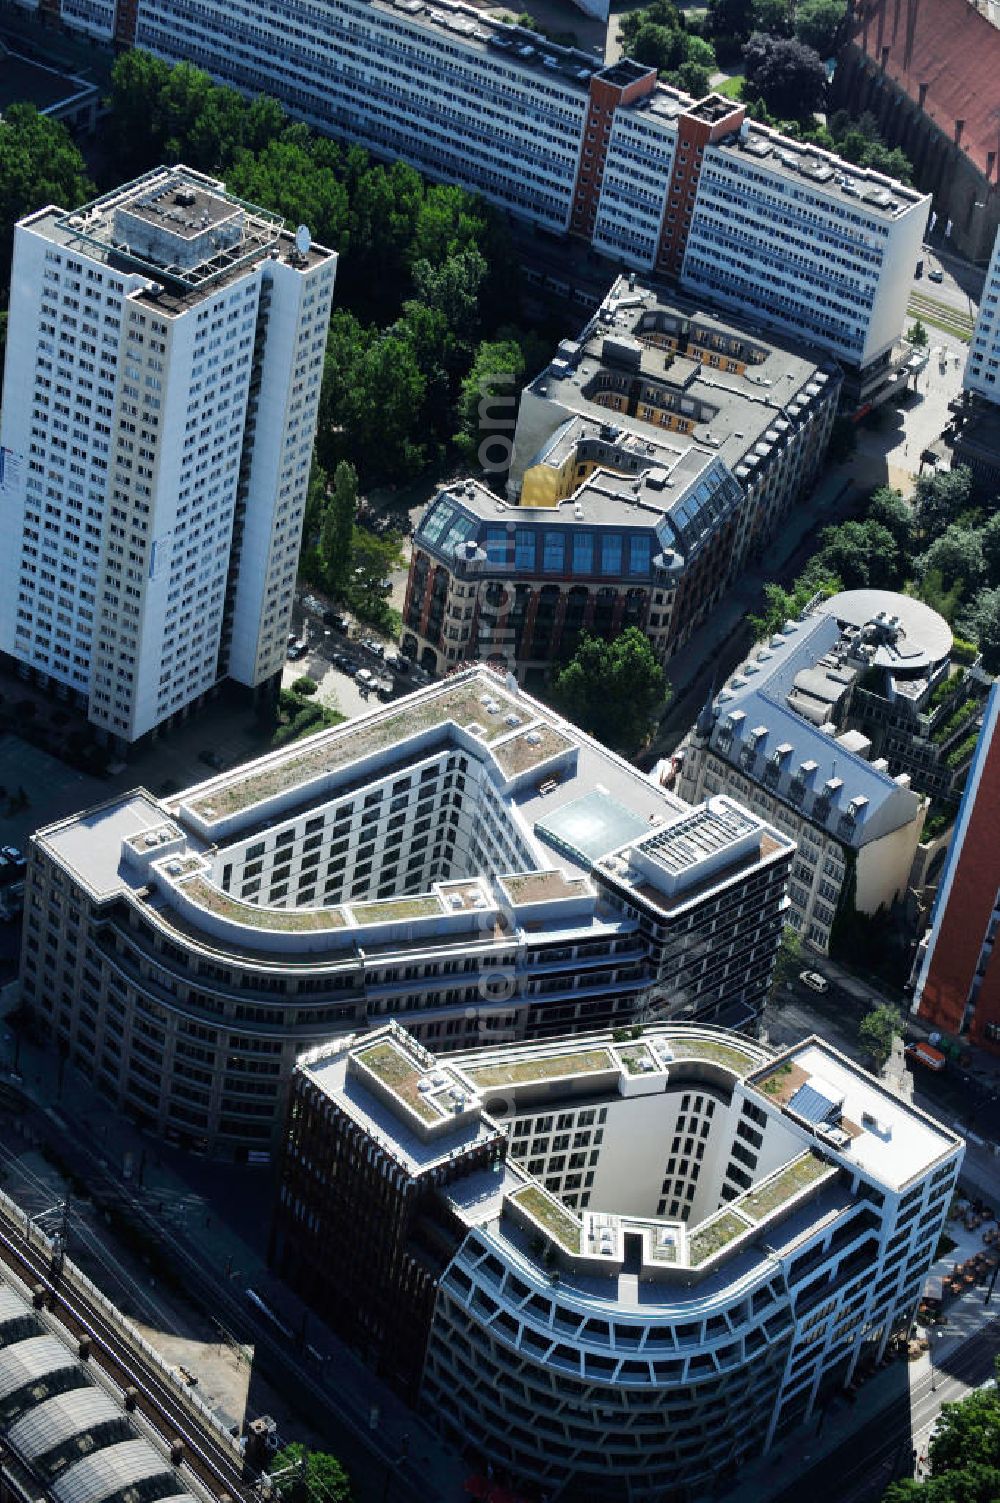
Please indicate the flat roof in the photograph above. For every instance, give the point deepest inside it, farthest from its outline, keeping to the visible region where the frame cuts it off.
(890, 1139)
(918, 636)
(591, 826)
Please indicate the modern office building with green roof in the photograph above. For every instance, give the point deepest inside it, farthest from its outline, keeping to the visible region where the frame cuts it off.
(464, 859)
(613, 1266)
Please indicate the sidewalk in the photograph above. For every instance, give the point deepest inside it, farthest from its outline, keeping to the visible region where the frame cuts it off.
(236, 1255)
(829, 1431)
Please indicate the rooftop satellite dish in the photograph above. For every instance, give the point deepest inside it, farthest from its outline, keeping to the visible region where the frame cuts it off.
(303, 240)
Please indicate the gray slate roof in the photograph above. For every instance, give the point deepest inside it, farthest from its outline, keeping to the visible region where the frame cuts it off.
(755, 730)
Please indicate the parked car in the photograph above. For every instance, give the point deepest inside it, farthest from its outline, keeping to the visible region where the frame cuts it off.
(403, 663)
(814, 981)
(297, 650)
(13, 854)
(365, 677)
(935, 274)
(338, 621)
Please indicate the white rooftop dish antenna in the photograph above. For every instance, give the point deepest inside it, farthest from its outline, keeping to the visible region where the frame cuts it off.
(303, 240)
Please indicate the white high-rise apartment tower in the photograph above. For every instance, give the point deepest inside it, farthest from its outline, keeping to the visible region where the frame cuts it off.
(164, 356)
(982, 368)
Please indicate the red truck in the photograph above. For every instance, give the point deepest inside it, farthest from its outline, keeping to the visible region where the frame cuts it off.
(926, 1055)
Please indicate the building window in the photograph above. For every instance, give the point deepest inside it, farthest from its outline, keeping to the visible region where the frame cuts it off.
(583, 553)
(496, 545)
(638, 556)
(553, 557)
(611, 554)
(524, 548)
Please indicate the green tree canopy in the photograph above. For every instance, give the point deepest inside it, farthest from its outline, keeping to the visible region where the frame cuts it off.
(39, 165)
(990, 538)
(889, 508)
(487, 405)
(337, 534)
(819, 23)
(940, 498)
(789, 78)
(322, 1475)
(787, 961)
(964, 1455)
(877, 1030)
(980, 623)
(863, 555)
(615, 690)
(284, 176)
(772, 17)
(957, 556)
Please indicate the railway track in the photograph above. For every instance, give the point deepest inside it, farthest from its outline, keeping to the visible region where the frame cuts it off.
(218, 1465)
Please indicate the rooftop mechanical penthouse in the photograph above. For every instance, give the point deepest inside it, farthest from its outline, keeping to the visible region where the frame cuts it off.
(615, 1268)
(463, 858)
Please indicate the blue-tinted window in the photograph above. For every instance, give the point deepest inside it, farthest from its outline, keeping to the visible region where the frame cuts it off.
(583, 553)
(524, 548)
(496, 545)
(611, 554)
(638, 556)
(554, 553)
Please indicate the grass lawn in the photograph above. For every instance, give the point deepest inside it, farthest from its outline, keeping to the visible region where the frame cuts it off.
(731, 87)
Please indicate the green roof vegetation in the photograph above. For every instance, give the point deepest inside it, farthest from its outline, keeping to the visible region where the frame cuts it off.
(712, 1236)
(557, 1221)
(326, 751)
(545, 1067)
(775, 1083)
(720, 1054)
(286, 920)
(391, 910)
(519, 754)
(760, 1201)
(536, 887)
(396, 1070)
(632, 1055)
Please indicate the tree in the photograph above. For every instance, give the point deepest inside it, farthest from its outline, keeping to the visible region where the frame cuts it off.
(964, 1454)
(772, 17)
(788, 77)
(787, 961)
(39, 165)
(980, 622)
(337, 533)
(889, 508)
(877, 1030)
(324, 1478)
(917, 335)
(818, 24)
(285, 177)
(615, 690)
(659, 47)
(940, 498)
(863, 555)
(957, 556)
(487, 404)
(729, 18)
(452, 288)
(990, 536)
